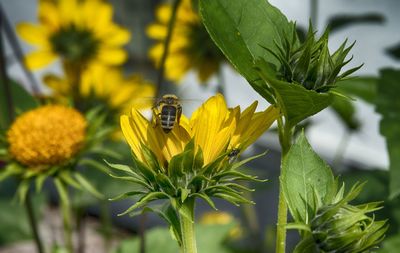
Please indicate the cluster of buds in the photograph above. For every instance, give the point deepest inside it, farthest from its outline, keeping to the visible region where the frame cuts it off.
(342, 227)
(310, 63)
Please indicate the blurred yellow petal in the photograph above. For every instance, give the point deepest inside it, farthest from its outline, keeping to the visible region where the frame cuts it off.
(163, 13)
(117, 37)
(59, 86)
(112, 56)
(157, 31)
(39, 59)
(48, 15)
(68, 11)
(33, 34)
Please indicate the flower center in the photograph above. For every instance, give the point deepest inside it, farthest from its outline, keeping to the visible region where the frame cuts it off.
(49, 135)
(75, 44)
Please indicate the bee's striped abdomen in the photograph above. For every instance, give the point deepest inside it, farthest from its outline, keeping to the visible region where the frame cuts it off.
(168, 117)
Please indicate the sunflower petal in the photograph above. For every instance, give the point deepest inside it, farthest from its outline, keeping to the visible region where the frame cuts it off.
(33, 34)
(39, 59)
(112, 56)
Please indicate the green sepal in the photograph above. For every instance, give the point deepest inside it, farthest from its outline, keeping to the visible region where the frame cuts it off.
(22, 190)
(66, 177)
(150, 158)
(296, 102)
(127, 195)
(206, 198)
(87, 185)
(133, 180)
(145, 200)
(164, 182)
(11, 169)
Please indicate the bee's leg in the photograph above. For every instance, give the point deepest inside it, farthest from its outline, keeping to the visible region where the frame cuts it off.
(178, 113)
(156, 116)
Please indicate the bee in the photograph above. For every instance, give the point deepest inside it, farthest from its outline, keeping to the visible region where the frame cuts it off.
(233, 155)
(167, 112)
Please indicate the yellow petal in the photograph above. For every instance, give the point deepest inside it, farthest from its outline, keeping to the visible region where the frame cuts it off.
(243, 123)
(68, 11)
(59, 86)
(206, 123)
(39, 59)
(131, 137)
(33, 34)
(259, 123)
(163, 13)
(48, 15)
(117, 37)
(112, 56)
(157, 31)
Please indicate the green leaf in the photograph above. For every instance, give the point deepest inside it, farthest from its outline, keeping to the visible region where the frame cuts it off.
(346, 111)
(361, 87)
(21, 99)
(388, 105)
(303, 172)
(296, 102)
(240, 28)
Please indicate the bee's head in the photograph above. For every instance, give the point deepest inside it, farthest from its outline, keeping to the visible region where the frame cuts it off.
(169, 99)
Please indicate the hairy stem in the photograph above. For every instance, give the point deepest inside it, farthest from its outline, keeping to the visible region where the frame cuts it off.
(187, 227)
(161, 70)
(285, 140)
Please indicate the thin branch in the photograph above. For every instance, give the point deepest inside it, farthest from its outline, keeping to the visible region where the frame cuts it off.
(161, 70)
(13, 41)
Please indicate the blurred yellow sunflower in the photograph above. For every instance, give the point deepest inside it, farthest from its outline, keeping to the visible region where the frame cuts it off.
(79, 32)
(214, 127)
(46, 136)
(107, 85)
(191, 47)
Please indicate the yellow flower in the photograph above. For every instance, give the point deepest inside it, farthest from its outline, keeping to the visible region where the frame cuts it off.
(108, 85)
(49, 135)
(191, 48)
(75, 31)
(216, 218)
(214, 128)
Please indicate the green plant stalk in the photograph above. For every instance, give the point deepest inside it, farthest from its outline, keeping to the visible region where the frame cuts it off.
(66, 213)
(33, 223)
(187, 227)
(171, 24)
(285, 140)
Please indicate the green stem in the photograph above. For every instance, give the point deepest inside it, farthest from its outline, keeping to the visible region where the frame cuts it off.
(314, 12)
(4, 80)
(33, 223)
(285, 139)
(187, 228)
(167, 41)
(66, 213)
